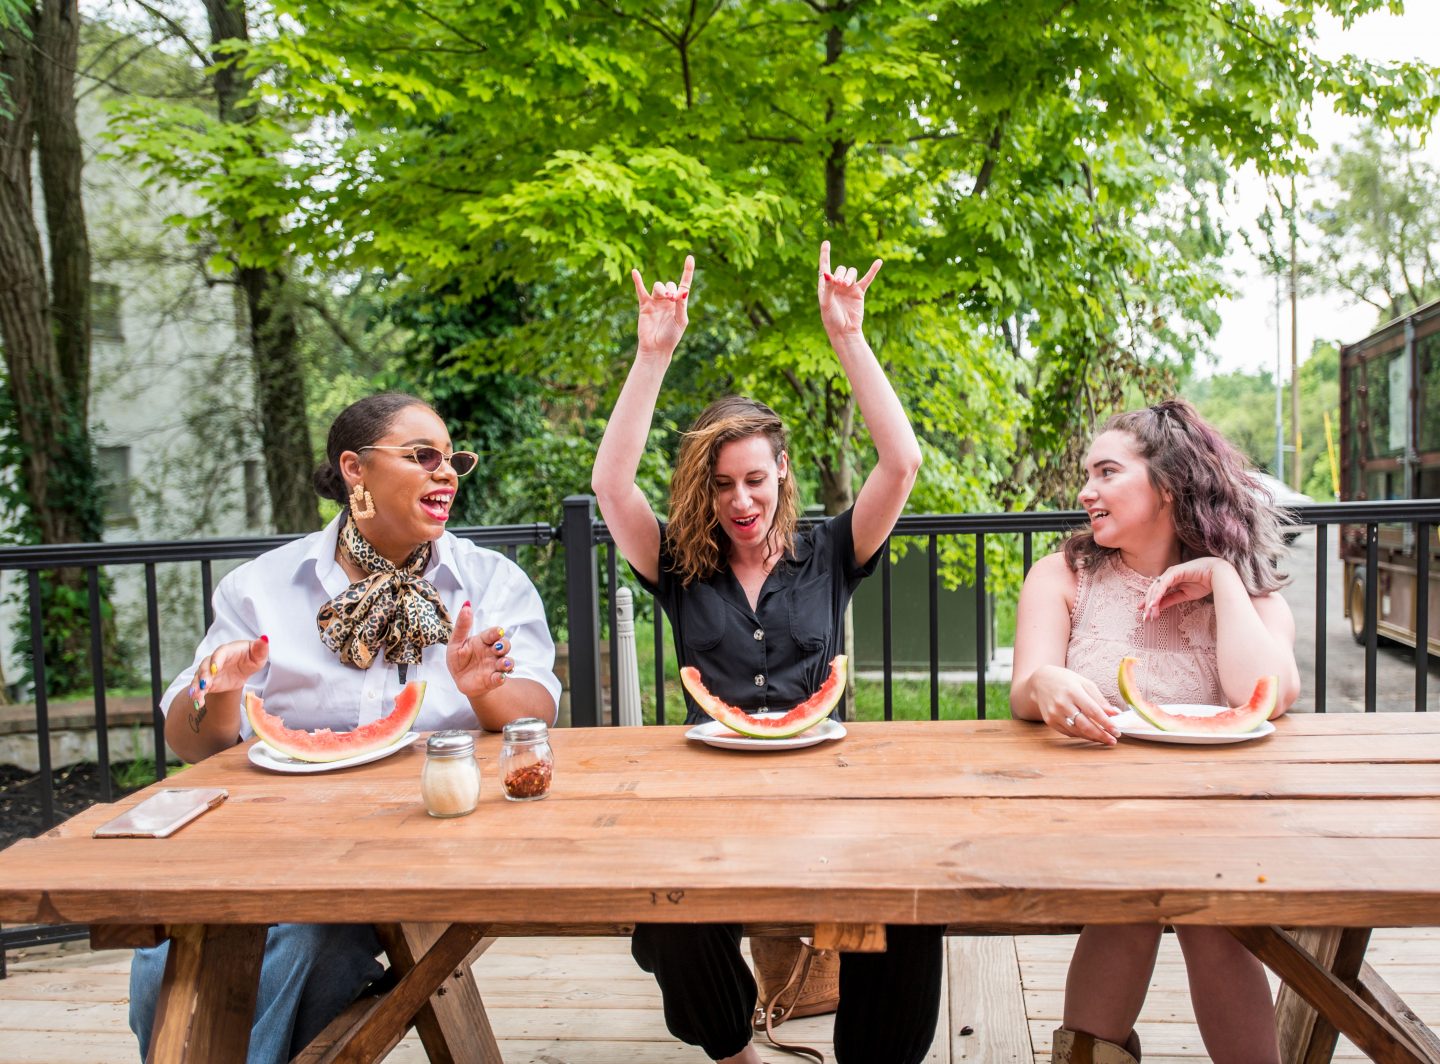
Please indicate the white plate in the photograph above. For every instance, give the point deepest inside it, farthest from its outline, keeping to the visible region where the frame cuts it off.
(1134, 726)
(262, 755)
(716, 734)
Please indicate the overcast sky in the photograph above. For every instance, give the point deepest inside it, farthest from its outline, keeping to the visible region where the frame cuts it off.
(1248, 333)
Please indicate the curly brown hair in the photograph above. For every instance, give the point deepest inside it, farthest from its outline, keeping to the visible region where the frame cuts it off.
(1218, 510)
(696, 540)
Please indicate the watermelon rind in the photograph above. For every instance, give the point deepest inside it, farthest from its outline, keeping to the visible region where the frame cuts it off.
(1237, 720)
(799, 719)
(324, 745)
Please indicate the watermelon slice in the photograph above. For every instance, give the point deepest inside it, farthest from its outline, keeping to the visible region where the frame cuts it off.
(326, 745)
(1234, 721)
(806, 715)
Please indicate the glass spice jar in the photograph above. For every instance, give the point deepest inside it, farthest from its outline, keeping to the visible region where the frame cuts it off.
(526, 761)
(450, 780)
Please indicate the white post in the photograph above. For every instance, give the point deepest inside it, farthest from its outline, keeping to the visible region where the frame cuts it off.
(628, 710)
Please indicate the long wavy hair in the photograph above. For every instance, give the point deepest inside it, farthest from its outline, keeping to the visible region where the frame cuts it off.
(1217, 508)
(697, 542)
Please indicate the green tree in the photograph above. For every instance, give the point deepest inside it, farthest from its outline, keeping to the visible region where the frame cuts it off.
(1036, 175)
(1377, 223)
(223, 136)
(45, 319)
(1242, 406)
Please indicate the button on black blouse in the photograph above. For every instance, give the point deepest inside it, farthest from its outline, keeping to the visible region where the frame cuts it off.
(776, 655)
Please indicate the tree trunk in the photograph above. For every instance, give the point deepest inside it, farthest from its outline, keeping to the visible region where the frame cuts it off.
(45, 318)
(280, 395)
(279, 379)
(57, 40)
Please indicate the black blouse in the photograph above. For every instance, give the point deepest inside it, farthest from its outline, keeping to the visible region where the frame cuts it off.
(776, 655)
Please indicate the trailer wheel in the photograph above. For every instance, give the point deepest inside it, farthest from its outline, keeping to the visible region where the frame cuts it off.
(1356, 598)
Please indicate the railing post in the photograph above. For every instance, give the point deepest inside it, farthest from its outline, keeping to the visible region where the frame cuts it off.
(582, 598)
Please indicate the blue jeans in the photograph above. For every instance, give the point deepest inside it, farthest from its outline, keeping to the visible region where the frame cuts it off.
(309, 974)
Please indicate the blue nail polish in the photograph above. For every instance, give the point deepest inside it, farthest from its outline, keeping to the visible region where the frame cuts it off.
(202, 684)
(499, 648)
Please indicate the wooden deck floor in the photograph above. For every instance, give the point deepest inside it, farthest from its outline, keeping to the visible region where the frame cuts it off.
(583, 1001)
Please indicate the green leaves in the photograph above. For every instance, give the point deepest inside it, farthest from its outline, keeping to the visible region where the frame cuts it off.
(1037, 175)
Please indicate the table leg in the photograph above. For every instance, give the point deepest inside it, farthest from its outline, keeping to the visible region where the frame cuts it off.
(207, 997)
(1306, 1037)
(1369, 1028)
(427, 979)
(453, 1024)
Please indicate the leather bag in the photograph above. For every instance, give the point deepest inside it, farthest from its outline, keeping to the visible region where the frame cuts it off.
(794, 979)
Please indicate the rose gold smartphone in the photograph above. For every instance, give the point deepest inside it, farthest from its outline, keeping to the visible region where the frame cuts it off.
(163, 813)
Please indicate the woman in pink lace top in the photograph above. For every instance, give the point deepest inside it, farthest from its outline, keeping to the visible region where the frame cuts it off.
(1177, 568)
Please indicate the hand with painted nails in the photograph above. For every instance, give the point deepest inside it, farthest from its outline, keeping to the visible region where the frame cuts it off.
(481, 662)
(663, 314)
(228, 667)
(842, 294)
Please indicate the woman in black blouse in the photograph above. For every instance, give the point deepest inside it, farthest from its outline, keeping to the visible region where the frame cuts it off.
(757, 608)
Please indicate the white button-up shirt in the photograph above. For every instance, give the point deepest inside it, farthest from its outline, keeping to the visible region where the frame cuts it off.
(279, 594)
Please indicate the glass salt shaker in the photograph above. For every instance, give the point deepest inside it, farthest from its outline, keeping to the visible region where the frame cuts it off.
(450, 781)
(526, 760)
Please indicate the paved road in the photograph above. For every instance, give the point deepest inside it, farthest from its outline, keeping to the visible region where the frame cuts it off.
(1344, 658)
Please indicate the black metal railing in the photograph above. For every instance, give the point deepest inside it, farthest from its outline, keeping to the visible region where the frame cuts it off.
(1422, 516)
(582, 538)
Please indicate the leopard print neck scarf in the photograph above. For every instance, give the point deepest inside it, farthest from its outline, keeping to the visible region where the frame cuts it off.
(394, 609)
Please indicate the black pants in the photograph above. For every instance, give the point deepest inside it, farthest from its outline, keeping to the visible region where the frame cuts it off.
(889, 1002)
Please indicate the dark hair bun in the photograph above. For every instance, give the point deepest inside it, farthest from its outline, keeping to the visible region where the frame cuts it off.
(329, 484)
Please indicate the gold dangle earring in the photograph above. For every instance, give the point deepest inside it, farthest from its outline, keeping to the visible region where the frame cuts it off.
(362, 506)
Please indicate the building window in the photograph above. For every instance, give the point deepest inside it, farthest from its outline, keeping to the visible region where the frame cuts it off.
(254, 494)
(113, 466)
(105, 318)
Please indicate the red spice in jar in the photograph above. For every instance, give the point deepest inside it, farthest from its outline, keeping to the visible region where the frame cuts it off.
(529, 782)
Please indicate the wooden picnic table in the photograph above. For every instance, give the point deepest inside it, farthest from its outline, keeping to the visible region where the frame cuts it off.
(1330, 826)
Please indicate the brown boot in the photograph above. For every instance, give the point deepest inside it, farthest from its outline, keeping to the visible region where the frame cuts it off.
(1077, 1047)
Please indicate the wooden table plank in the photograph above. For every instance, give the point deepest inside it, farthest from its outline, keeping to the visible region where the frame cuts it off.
(1332, 821)
(985, 759)
(1144, 831)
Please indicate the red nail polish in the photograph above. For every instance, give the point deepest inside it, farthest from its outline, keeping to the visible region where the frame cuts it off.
(467, 602)
(828, 277)
(264, 639)
(684, 296)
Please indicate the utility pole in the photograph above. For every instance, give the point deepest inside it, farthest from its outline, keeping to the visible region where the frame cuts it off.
(1279, 389)
(1295, 471)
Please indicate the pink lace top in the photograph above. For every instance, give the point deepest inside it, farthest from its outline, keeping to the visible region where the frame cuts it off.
(1178, 645)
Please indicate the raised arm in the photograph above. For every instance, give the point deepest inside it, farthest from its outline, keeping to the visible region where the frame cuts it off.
(887, 486)
(627, 512)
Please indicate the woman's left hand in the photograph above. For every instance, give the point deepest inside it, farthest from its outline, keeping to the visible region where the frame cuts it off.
(479, 663)
(1182, 583)
(842, 296)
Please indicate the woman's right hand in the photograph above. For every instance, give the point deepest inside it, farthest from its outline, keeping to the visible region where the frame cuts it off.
(228, 666)
(1073, 705)
(663, 315)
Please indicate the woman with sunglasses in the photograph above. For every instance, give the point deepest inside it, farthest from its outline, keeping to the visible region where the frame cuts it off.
(327, 629)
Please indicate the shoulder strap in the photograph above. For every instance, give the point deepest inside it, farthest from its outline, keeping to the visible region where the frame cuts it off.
(770, 1012)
